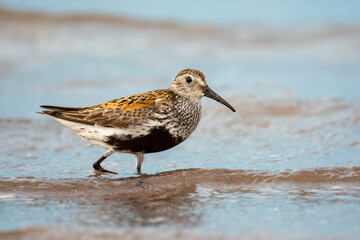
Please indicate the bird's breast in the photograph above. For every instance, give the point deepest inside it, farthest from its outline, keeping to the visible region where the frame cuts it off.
(186, 116)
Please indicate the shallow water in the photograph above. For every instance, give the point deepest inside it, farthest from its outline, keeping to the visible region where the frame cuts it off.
(285, 166)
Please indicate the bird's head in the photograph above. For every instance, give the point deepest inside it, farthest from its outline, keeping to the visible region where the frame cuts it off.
(191, 84)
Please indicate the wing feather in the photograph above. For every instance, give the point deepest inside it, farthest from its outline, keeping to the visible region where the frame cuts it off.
(118, 113)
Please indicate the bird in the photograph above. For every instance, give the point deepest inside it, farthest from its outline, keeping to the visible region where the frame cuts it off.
(144, 123)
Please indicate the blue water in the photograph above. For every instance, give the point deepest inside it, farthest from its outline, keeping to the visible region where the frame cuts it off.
(276, 12)
(290, 68)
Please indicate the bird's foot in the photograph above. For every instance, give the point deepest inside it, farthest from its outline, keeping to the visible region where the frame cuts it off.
(100, 170)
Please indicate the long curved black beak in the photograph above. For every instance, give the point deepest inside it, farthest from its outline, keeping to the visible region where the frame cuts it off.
(211, 94)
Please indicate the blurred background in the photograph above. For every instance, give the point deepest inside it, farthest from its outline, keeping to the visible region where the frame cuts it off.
(84, 52)
(284, 166)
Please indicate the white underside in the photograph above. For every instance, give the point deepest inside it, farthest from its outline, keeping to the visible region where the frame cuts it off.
(98, 135)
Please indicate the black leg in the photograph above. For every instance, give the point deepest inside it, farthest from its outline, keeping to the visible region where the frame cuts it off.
(97, 165)
(140, 159)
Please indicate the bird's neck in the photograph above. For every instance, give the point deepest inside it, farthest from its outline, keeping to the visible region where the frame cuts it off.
(188, 114)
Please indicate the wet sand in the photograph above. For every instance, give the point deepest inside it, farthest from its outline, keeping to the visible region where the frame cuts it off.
(285, 166)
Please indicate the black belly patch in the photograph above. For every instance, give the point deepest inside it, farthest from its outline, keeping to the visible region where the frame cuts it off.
(159, 139)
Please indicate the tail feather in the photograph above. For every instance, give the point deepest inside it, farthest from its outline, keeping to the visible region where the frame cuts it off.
(66, 113)
(62, 109)
(51, 113)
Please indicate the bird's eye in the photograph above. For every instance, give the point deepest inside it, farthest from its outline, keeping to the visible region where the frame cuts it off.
(188, 80)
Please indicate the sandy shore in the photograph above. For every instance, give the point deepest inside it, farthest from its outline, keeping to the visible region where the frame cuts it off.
(285, 166)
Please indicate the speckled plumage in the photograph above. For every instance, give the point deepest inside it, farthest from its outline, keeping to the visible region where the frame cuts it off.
(143, 123)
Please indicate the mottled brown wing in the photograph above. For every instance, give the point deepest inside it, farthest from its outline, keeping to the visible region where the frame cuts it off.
(119, 113)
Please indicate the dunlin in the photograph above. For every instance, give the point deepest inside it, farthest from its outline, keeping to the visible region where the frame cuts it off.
(143, 123)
